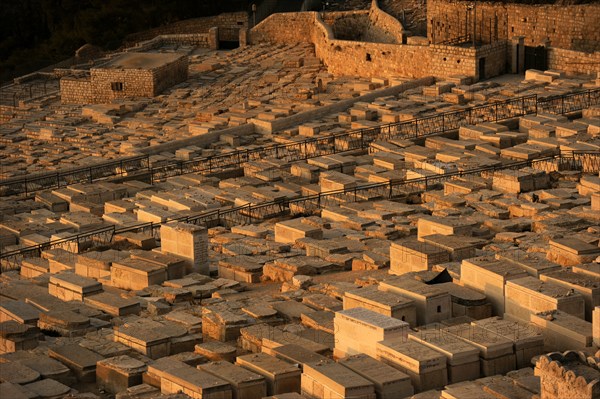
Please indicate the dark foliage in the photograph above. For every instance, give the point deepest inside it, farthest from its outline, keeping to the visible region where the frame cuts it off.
(37, 33)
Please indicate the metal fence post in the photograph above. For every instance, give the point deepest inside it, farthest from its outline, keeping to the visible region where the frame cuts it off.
(416, 127)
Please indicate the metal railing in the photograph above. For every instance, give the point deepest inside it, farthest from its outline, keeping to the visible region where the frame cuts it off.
(568, 103)
(247, 214)
(308, 148)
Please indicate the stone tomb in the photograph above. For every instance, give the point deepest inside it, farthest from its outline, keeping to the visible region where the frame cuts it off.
(174, 265)
(216, 351)
(281, 377)
(331, 380)
(240, 268)
(136, 274)
(567, 375)
(571, 251)
(67, 323)
(527, 340)
(448, 226)
(384, 302)
(80, 360)
(15, 336)
(432, 303)
(290, 230)
(45, 366)
(34, 267)
(495, 352)
(389, 382)
(97, 264)
(188, 241)
(462, 358)
(489, 276)
(295, 354)
(528, 295)
(147, 341)
(118, 373)
(19, 311)
(412, 256)
(113, 304)
(425, 366)
(72, 287)
(587, 286)
(467, 301)
(358, 330)
(458, 247)
(563, 331)
(47, 388)
(178, 377)
(244, 383)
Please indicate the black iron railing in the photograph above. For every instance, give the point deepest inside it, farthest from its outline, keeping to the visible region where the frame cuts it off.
(309, 148)
(568, 103)
(566, 160)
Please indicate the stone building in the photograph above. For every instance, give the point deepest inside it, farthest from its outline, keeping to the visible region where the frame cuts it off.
(128, 75)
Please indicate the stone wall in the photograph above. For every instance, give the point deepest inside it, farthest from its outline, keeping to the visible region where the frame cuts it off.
(383, 28)
(348, 25)
(355, 58)
(169, 75)
(196, 25)
(284, 28)
(193, 39)
(495, 55)
(361, 58)
(570, 27)
(136, 83)
(76, 91)
(373, 25)
(557, 380)
(573, 62)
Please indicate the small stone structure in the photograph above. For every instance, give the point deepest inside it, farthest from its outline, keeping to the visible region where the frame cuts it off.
(128, 75)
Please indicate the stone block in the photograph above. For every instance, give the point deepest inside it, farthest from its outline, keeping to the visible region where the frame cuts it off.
(71, 287)
(291, 230)
(357, 330)
(136, 274)
(389, 382)
(118, 373)
(244, 383)
(528, 295)
(281, 377)
(425, 366)
(489, 276)
(412, 255)
(462, 358)
(328, 379)
(80, 360)
(386, 303)
(433, 304)
(187, 241)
